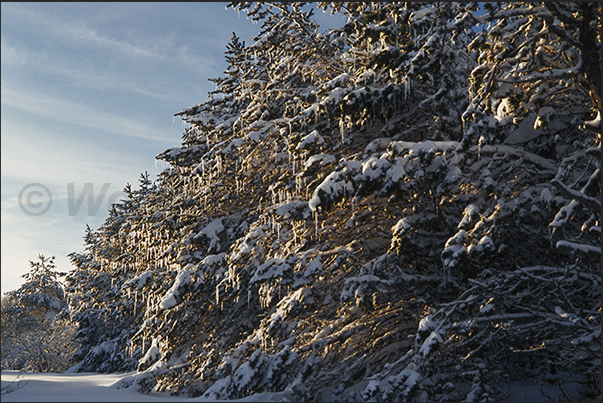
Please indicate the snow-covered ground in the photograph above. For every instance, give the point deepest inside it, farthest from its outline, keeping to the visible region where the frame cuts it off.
(91, 387)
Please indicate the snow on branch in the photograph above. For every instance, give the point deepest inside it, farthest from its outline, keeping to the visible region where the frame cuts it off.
(552, 73)
(573, 247)
(590, 202)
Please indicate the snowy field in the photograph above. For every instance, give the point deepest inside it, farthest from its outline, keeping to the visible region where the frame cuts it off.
(91, 387)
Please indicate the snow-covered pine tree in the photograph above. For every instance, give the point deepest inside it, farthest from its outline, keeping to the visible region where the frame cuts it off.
(412, 59)
(42, 292)
(362, 214)
(36, 336)
(101, 296)
(547, 88)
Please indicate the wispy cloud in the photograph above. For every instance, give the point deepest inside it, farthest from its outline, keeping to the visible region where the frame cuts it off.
(69, 50)
(31, 154)
(11, 55)
(83, 91)
(95, 79)
(76, 113)
(73, 33)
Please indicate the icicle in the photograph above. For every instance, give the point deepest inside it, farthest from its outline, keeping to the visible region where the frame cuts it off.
(406, 87)
(294, 230)
(262, 341)
(294, 163)
(297, 186)
(306, 187)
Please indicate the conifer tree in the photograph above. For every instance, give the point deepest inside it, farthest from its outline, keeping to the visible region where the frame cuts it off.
(35, 334)
(366, 211)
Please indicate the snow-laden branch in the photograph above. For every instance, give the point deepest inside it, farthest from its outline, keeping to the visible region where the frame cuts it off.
(552, 73)
(567, 246)
(590, 202)
(517, 152)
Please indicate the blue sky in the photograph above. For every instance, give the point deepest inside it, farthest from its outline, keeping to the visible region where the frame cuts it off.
(87, 98)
